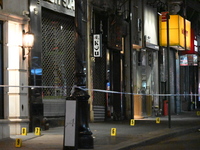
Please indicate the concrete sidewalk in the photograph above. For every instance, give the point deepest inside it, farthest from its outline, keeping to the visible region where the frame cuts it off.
(144, 131)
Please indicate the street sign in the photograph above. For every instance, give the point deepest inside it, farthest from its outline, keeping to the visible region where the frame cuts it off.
(97, 45)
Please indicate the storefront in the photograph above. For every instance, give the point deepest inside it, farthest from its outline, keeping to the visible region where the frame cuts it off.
(52, 58)
(189, 76)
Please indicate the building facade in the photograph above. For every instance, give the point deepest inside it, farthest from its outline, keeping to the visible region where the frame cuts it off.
(134, 60)
(52, 23)
(52, 59)
(14, 105)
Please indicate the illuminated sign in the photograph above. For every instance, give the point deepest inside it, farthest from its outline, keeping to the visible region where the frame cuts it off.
(97, 45)
(164, 16)
(183, 60)
(188, 60)
(179, 37)
(65, 3)
(195, 45)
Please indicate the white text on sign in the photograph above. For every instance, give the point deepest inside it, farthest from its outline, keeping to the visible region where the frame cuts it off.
(97, 45)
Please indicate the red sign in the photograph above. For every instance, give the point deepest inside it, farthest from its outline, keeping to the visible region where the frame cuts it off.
(164, 16)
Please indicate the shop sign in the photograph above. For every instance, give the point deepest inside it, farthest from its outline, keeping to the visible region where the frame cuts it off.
(195, 45)
(188, 60)
(179, 32)
(183, 60)
(70, 4)
(192, 60)
(97, 46)
(164, 16)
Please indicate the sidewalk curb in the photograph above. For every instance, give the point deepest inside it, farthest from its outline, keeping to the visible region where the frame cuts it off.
(161, 137)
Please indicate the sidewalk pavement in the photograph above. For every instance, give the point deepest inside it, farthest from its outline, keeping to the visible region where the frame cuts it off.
(127, 137)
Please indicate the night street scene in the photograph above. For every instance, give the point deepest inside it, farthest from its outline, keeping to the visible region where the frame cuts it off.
(99, 74)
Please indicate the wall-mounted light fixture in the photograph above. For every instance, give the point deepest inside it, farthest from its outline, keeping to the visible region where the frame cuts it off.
(28, 41)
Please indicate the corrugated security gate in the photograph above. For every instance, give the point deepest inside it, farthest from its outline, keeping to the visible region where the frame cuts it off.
(58, 55)
(99, 82)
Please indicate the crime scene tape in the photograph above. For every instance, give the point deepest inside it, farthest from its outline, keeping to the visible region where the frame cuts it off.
(97, 90)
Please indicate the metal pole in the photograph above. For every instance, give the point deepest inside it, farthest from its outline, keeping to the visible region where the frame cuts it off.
(88, 60)
(85, 139)
(131, 78)
(168, 87)
(84, 135)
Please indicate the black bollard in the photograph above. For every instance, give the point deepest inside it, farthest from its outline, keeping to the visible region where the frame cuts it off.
(85, 139)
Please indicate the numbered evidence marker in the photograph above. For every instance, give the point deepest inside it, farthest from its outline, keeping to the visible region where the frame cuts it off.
(37, 131)
(113, 131)
(132, 122)
(18, 143)
(157, 120)
(198, 113)
(24, 131)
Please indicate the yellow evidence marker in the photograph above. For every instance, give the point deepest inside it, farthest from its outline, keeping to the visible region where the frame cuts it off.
(157, 120)
(198, 113)
(113, 131)
(132, 122)
(37, 131)
(24, 131)
(18, 143)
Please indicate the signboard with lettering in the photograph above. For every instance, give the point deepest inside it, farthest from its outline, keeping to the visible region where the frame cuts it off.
(70, 4)
(97, 45)
(183, 60)
(188, 60)
(164, 16)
